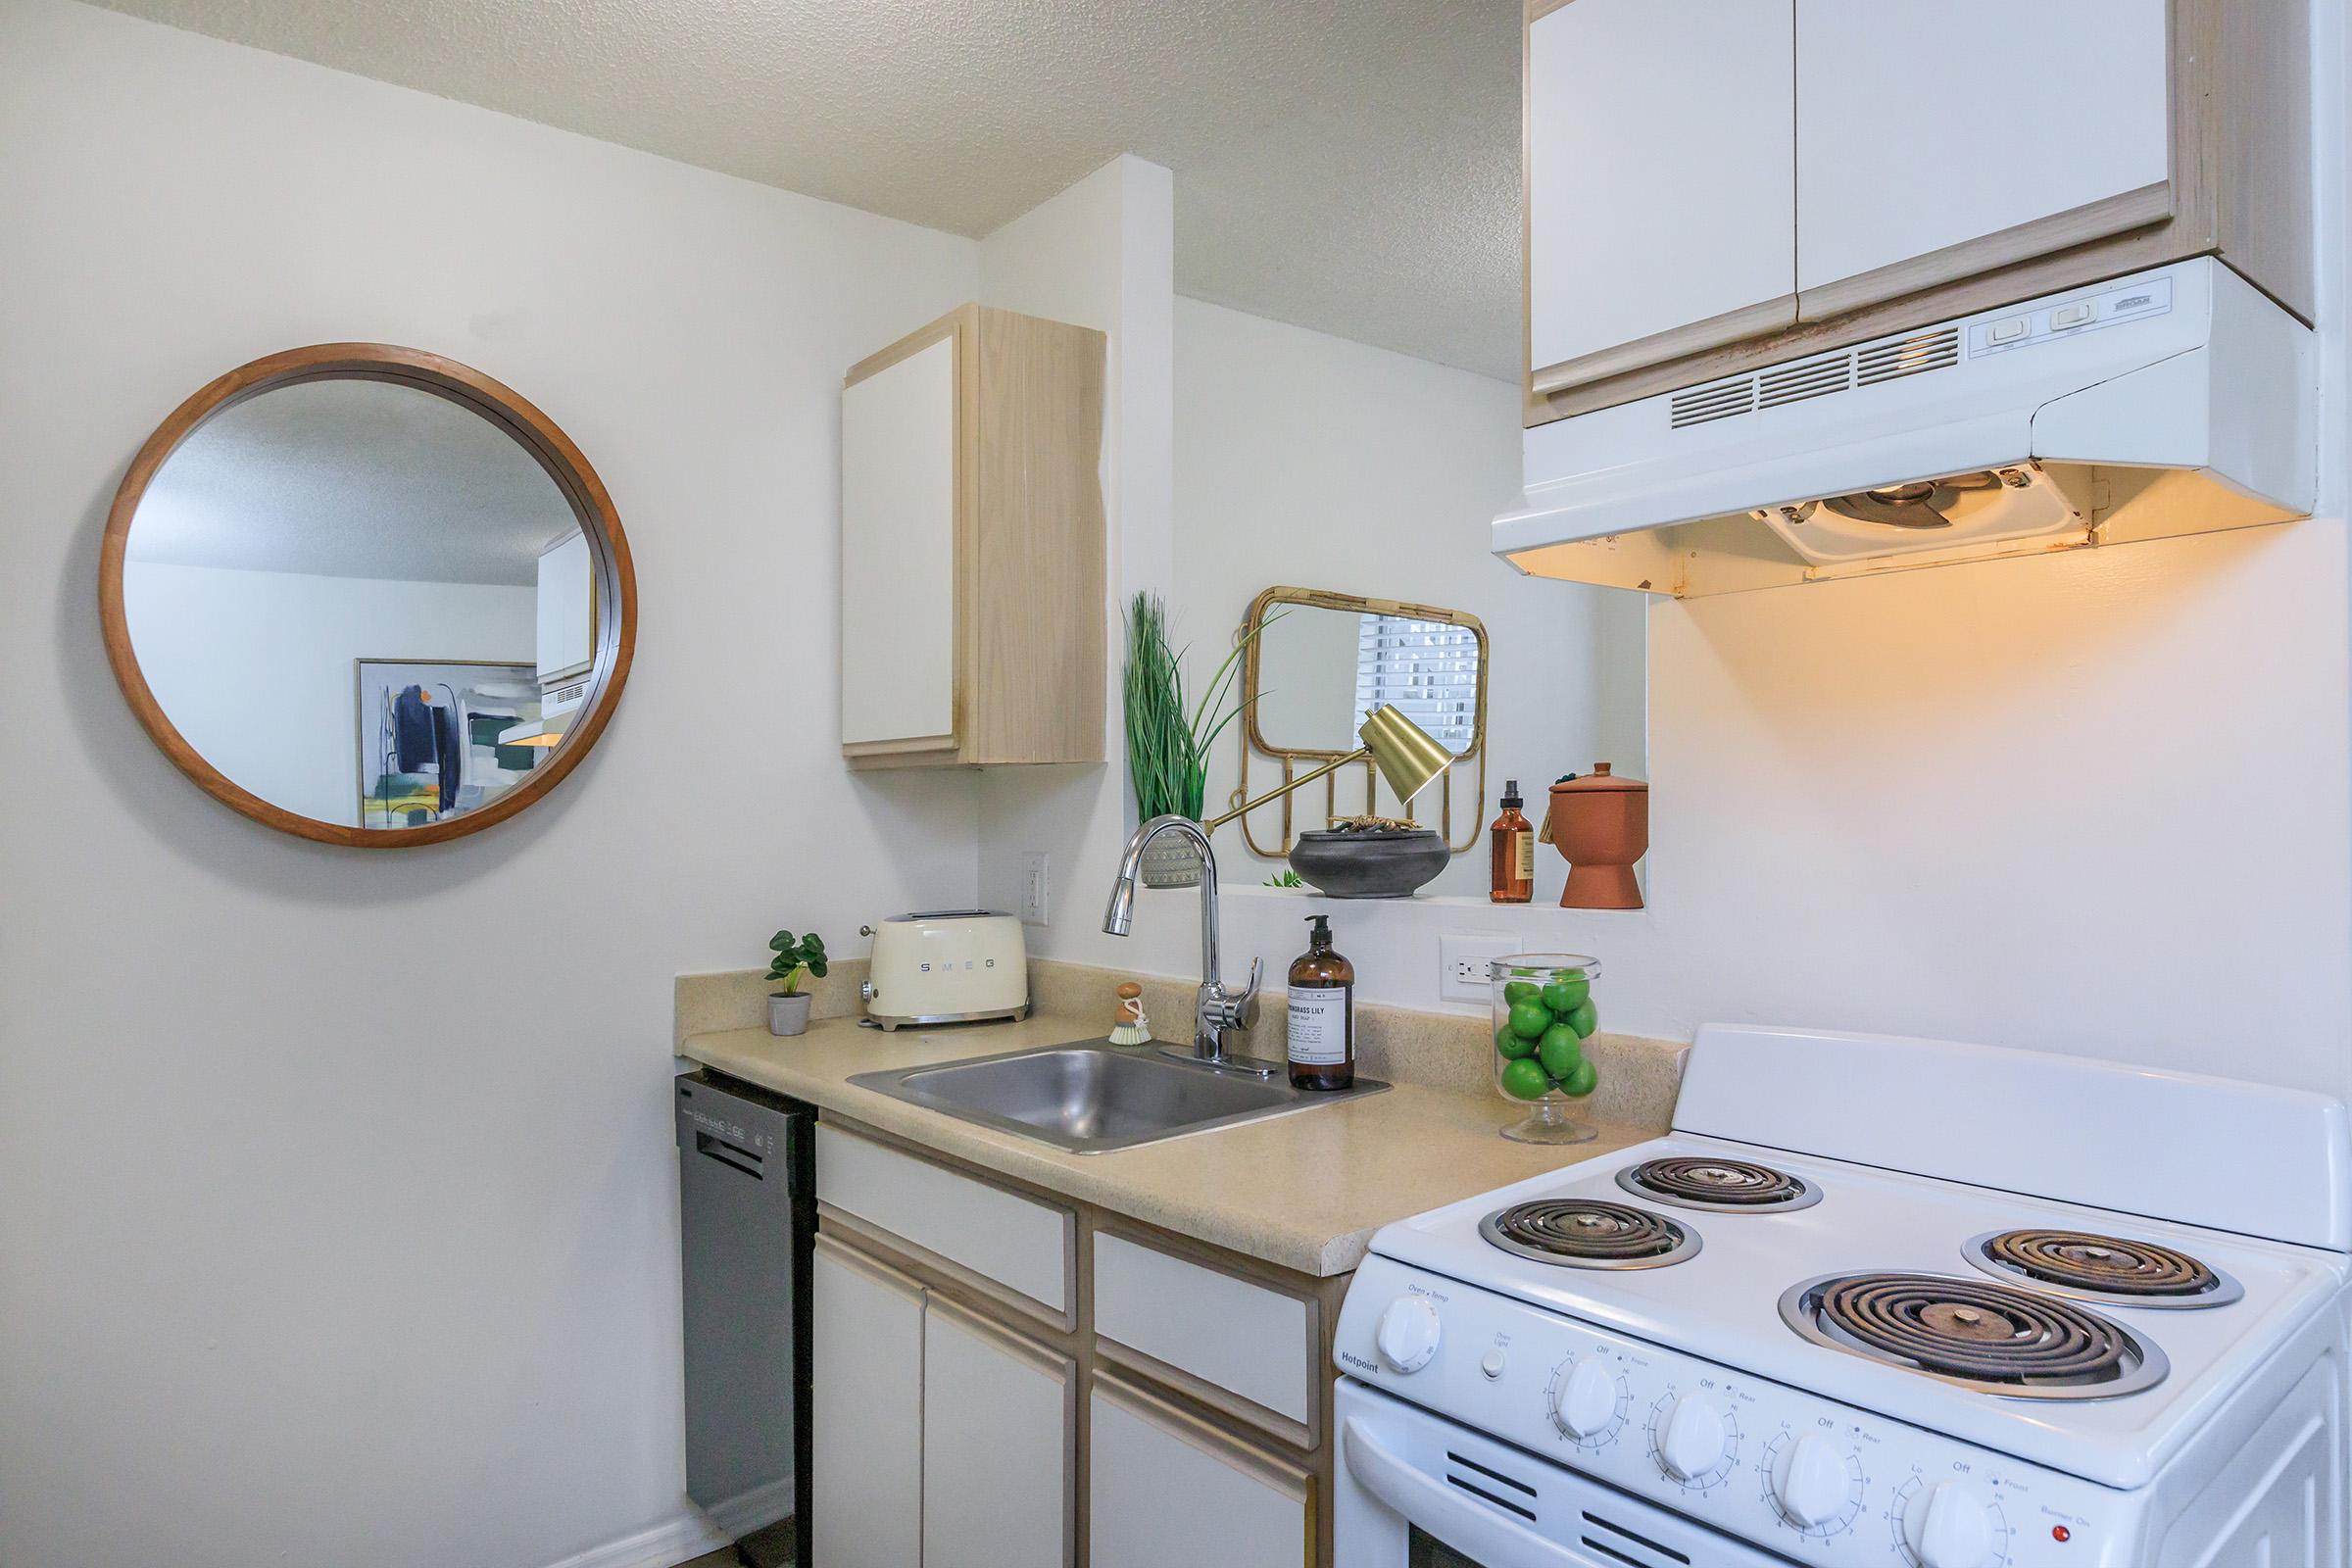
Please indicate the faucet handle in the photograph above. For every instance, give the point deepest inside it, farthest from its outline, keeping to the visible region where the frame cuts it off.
(1223, 1010)
(1245, 1007)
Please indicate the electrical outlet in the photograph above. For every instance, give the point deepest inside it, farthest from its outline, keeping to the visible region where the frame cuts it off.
(1462, 974)
(1036, 884)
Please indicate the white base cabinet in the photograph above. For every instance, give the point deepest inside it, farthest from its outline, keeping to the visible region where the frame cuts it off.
(1166, 1490)
(996, 1452)
(1136, 1401)
(867, 1399)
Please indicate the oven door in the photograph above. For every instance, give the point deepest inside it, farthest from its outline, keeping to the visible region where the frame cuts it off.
(1416, 1490)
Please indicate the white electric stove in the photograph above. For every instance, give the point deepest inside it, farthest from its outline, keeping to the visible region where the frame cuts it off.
(1873, 1301)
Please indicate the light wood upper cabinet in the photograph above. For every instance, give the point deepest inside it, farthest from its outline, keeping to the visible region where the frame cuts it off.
(1932, 124)
(1660, 180)
(1905, 163)
(972, 609)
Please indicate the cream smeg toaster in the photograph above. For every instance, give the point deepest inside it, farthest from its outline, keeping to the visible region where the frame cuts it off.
(947, 966)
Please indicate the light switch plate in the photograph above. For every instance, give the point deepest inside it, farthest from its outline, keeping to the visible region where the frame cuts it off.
(1462, 965)
(1037, 887)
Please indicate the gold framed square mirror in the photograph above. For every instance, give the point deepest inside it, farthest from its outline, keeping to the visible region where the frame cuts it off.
(1315, 663)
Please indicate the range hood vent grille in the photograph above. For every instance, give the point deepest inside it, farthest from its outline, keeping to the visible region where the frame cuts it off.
(1810, 378)
(1908, 356)
(1703, 404)
(1815, 378)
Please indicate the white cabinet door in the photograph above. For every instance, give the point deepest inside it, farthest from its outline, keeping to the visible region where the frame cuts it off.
(1164, 1491)
(567, 609)
(898, 549)
(1661, 179)
(1936, 121)
(997, 1455)
(866, 1402)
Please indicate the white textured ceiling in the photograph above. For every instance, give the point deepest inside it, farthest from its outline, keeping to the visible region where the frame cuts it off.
(1350, 166)
(352, 479)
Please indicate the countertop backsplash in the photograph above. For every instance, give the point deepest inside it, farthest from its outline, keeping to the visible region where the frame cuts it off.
(1450, 1051)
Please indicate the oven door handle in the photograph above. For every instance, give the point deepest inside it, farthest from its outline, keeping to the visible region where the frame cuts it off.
(1453, 1517)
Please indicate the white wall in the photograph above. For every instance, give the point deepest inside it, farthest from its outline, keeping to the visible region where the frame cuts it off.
(254, 669)
(1310, 462)
(336, 1192)
(2095, 803)
(1305, 459)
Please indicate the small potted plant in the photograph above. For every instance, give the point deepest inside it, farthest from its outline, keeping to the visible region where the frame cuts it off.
(788, 1004)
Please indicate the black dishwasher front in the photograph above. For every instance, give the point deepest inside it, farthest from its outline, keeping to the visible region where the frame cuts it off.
(747, 1206)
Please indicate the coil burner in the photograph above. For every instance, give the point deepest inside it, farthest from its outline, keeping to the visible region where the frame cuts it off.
(2023, 1344)
(2091, 1267)
(1719, 1186)
(1589, 1233)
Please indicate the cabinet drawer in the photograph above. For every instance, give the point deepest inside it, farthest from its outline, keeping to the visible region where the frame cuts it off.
(1022, 1245)
(1228, 1332)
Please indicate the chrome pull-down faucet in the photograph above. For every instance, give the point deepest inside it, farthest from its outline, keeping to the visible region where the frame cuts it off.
(1220, 1010)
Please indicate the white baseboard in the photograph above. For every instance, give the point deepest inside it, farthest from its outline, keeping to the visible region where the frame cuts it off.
(680, 1539)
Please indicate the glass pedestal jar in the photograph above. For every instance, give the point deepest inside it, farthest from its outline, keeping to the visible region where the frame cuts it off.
(1543, 1016)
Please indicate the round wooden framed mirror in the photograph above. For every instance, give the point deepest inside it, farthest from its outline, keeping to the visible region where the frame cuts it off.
(368, 595)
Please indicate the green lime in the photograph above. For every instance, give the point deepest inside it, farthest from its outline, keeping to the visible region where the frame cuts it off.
(1581, 1018)
(1560, 1051)
(1524, 1078)
(1528, 1019)
(1580, 1081)
(1567, 991)
(1516, 990)
(1507, 1042)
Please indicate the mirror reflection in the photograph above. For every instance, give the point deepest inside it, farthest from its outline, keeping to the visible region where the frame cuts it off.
(365, 603)
(1321, 670)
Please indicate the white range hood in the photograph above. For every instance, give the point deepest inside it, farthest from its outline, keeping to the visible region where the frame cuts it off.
(559, 704)
(2175, 401)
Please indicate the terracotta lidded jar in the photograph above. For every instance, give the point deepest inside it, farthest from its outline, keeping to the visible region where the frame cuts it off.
(1600, 825)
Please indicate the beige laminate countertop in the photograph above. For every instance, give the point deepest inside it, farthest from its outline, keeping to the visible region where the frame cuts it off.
(1304, 1190)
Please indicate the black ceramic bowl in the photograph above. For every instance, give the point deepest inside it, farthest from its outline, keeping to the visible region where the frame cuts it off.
(1388, 864)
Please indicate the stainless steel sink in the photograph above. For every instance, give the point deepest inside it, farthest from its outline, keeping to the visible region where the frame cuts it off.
(1093, 1096)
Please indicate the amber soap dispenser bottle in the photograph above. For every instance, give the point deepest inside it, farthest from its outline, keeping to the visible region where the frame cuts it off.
(1322, 1033)
(1511, 850)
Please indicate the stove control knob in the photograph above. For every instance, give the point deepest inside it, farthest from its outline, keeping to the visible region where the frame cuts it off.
(1691, 1440)
(1946, 1526)
(1584, 1402)
(1809, 1481)
(1406, 1334)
